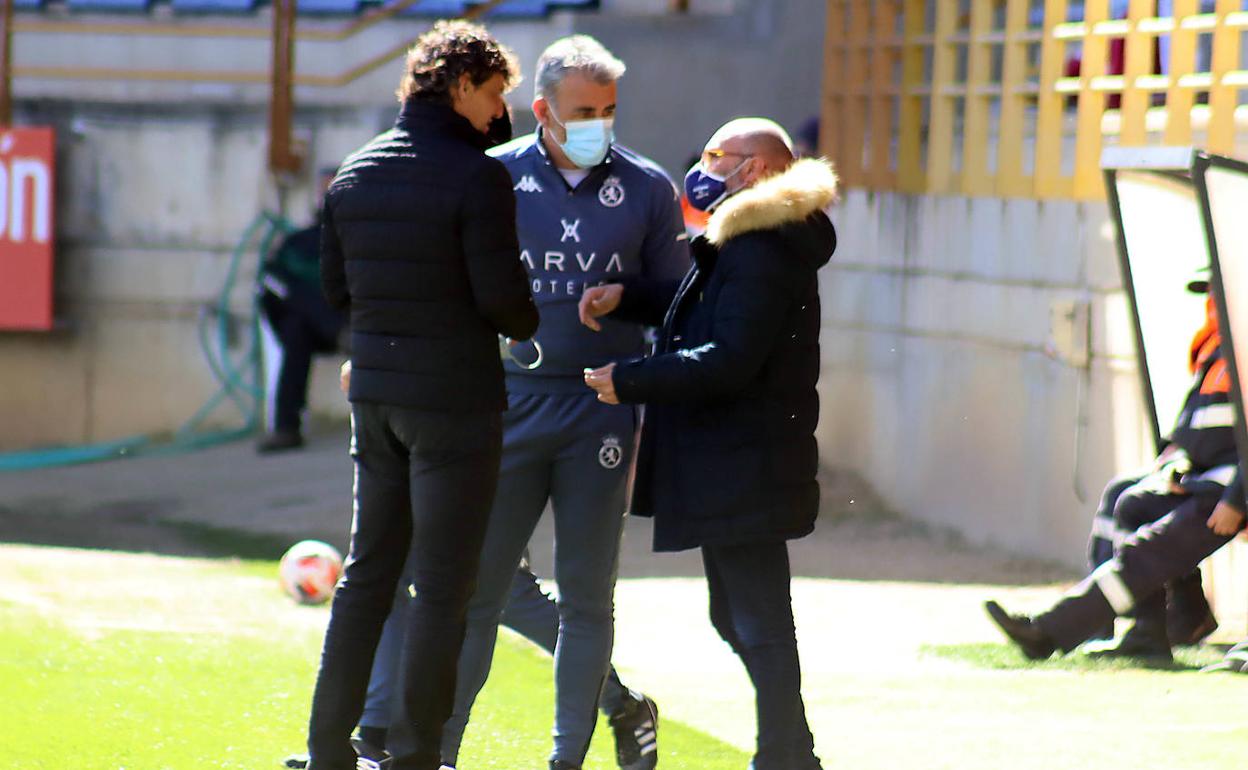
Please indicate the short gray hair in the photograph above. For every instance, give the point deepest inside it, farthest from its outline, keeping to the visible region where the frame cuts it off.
(578, 53)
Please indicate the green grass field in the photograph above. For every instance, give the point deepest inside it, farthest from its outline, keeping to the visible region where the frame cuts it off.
(112, 661)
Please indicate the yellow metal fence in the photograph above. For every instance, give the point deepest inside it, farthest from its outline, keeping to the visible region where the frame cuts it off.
(1016, 98)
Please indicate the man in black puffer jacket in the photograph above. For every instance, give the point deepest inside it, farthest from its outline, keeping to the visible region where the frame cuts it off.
(727, 458)
(419, 244)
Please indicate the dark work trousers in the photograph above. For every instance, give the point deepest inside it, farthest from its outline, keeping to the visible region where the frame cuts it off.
(1105, 531)
(293, 327)
(752, 610)
(424, 485)
(1169, 539)
(1108, 531)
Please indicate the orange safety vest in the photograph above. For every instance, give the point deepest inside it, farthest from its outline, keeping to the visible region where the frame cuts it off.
(1204, 345)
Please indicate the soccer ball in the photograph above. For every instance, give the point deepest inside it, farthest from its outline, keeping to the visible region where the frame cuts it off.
(310, 570)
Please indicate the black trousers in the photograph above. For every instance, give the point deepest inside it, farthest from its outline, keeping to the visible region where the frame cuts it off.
(301, 326)
(752, 610)
(1169, 540)
(424, 483)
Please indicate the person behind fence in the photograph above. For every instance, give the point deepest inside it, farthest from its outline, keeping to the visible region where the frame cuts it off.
(1175, 517)
(419, 243)
(727, 457)
(295, 324)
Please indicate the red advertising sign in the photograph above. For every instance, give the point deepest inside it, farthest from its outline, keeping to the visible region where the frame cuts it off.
(27, 222)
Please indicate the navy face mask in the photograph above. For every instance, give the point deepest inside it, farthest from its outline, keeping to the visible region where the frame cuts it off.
(705, 190)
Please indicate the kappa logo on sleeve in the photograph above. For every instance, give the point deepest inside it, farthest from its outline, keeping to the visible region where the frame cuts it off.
(528, 184)
(611, 194)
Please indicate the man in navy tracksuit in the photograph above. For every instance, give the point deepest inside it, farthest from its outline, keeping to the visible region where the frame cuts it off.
(589, 212)
(1189, 507)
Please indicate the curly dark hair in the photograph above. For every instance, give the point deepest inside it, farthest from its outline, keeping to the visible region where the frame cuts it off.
(449, 50)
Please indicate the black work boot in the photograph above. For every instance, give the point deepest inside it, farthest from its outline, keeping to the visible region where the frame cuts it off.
(1024, 632)
(1145, 639)
(1189, 619)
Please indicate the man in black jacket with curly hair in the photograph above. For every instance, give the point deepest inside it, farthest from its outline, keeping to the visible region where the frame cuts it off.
(727, 457)
(419, 245)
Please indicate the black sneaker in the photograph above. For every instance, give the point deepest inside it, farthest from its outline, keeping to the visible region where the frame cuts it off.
(636, 731)
(369, 757)
(559, 764)
(1022, 631)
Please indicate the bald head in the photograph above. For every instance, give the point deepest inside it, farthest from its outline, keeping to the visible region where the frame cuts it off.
(749, 150)
(758, 137)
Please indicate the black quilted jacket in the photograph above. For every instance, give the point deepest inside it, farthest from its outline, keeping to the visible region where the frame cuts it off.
(419, 243)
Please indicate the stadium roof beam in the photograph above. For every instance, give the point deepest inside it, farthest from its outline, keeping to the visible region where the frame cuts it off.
(6, 62)
(348, 30)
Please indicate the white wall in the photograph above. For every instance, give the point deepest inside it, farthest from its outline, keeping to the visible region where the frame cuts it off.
(943, 382)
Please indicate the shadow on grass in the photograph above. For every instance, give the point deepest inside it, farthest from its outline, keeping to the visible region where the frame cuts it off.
(1001, 657)
(138, 528)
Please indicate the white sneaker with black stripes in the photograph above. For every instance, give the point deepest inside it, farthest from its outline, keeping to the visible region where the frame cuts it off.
(637, 734)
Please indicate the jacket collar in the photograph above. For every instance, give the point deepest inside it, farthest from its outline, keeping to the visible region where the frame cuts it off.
(423, 115)
(791, 196)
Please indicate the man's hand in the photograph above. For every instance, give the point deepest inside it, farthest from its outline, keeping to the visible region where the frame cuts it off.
(1225, 520)
(597, 301)
(603, 381)
(344, 376)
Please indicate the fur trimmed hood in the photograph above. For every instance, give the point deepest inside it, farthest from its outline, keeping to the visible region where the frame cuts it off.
(805, 187)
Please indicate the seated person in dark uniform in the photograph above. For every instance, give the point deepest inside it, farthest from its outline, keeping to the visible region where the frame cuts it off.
(295, 323)
(1191, 505)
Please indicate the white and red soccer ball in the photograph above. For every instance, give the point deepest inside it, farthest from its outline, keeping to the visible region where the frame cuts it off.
(309, 571)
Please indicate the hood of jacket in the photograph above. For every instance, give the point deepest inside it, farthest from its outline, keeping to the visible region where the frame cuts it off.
(793, 195)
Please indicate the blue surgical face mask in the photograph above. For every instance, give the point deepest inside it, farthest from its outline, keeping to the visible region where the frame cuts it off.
(588, 140)
(705, 190)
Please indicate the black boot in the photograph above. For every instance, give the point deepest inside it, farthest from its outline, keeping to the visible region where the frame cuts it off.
(1146, 638)
(1022, 631)
(1189, 619)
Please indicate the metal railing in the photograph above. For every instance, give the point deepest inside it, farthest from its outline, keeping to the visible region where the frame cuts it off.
(985, 98)
(281, 76)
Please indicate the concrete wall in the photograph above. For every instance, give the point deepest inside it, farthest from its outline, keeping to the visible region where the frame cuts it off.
(151, 203)
(947, 381)
(688, 75)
